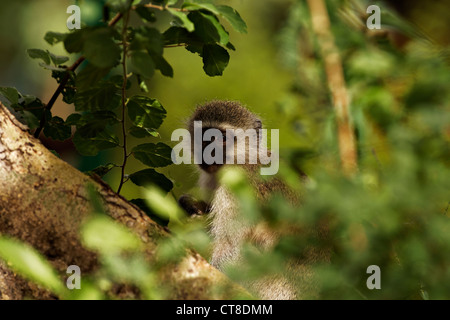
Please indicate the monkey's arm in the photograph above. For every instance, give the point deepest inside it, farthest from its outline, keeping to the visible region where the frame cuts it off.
(193, 206)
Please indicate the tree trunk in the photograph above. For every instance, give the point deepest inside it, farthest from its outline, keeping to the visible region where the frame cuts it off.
(43, 201)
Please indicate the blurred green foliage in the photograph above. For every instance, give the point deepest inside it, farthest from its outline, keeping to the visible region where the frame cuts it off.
(393, 213)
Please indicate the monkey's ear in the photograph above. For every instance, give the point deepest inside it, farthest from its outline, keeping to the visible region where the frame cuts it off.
(258, 124)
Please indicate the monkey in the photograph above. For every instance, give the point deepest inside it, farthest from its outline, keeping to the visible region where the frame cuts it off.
(227, 228)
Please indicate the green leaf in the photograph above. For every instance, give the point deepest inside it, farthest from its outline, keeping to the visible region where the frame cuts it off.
(104, 96)
(30, 101)
(89, 76)
(177, 35)
(149, 177)
(90, 124)
(195, 48)
(139, 132)
(119, 5)
(142, 85)
(97, 132)
(233, 17)
(9, 96)
(118, 81)
(226, 12)
(142, 204)
(231, 46)
(103, 117)
(146, 14)
(145, 112)
(101, 233)
(56, 129)
(208, 28)
(92, 146)
(58, 59)
(100, 49)
(73, 119)
(69, 90)
(74, 41)
(165, 207)
(153, 155)
(25, 260)
(31, 110)
(30, 119)
(39, 54)
(101, 170)
(185, 22)
(162, 65)
(223, 35)
(54, 37)
(92, 133)
(52, 68)
(89, 291)
(142, 63)
(201, 6)
(149, 39)
(215, 60)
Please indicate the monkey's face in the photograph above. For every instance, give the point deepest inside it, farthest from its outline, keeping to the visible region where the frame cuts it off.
(220, 146)
(224, 127)
(216, 147)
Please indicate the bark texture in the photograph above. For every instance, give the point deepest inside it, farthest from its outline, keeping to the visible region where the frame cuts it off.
(43, 201)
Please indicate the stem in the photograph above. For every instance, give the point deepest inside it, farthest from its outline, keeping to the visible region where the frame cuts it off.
(336, 84)
(175, 45)
(60, 89)
(63, 82)
(161, 8)
(124, 97)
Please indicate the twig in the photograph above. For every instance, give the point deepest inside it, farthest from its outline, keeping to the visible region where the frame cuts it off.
(63, 82)
(162, 8)
(175, 45)
(55, 96)
(124, 89)
(336, 84)
(115, 19)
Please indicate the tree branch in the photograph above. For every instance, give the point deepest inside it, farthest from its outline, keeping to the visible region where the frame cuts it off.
(336, 84)
(44, 202)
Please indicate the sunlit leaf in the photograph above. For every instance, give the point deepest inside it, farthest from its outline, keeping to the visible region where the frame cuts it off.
(28, 262)
(145, 112)
(103, 234)
(185, 22)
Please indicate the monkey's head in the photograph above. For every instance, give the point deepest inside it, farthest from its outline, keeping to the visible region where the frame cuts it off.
(222, 115)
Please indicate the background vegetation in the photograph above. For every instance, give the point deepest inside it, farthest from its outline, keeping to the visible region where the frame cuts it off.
(392, 213)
